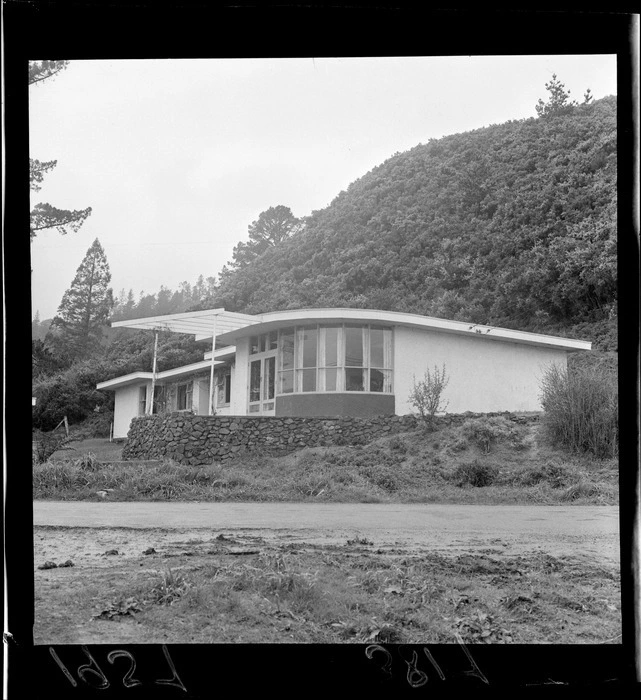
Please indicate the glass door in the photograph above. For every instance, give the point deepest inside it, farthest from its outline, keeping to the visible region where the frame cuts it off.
(262, 385)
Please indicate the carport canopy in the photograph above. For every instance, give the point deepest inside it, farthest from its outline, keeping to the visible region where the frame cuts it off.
(203, 325)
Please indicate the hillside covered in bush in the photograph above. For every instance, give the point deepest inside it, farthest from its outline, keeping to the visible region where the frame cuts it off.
(511, 225)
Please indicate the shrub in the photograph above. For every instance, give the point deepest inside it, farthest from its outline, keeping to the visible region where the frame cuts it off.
(581, 489)
(426, 396)
(380, 475)
(396, 444)
(581, 409)
(474, 474)
(486, 431)
(45, 444)
(71, 393)
(556, 475)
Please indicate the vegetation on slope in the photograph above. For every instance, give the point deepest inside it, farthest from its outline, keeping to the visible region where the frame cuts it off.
(451, 465)
(512, 225)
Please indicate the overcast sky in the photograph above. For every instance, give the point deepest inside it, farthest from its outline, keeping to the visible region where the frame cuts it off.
(178, 157)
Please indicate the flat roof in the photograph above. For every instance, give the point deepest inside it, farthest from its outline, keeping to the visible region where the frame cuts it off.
(278, 319)
(229, 326)
(200, 324)
(137, 377)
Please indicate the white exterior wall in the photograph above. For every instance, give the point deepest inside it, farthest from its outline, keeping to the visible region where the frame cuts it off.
(240, 379)
(484, 375)
(126, 403)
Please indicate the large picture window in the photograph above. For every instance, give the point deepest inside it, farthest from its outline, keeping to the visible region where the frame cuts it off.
(335, 358)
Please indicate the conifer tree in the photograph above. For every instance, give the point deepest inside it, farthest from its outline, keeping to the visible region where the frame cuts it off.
(271, 228)
(85, 306)
(44, 215)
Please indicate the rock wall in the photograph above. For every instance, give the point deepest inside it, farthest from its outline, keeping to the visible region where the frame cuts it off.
(193, 439)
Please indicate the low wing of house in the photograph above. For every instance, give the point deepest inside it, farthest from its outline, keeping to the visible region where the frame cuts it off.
(332, 362)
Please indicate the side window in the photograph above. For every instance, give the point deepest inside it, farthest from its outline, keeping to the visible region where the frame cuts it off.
(142, 400)
(183, 397)
(223, 388)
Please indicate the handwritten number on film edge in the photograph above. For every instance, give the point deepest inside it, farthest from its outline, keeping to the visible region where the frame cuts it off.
(174, 680)
(92, 668)
(63, 668)
(387, 666)
(91, 671)
(128, 679)
(417, 678)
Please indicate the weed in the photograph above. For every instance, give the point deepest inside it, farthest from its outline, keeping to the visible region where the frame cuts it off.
(88, 462)
(581, 489)
(488, 430)
(397, 444)
(172, 585)
(481, 629)
(552, 473)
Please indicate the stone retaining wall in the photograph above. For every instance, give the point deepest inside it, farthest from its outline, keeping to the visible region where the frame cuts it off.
(193, 439)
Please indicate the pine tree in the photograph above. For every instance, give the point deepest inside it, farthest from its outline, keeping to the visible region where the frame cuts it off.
(85, 306)
(44, 215)
(559, 100)
(272, 227)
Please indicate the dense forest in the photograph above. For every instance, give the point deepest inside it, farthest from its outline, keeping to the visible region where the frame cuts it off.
(511, 225)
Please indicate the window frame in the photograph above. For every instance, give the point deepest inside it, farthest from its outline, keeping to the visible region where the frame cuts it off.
(223, 387)
(321, 368)
(142, 400)
(189, 396)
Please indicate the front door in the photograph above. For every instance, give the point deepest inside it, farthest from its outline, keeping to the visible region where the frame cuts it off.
(262, 385)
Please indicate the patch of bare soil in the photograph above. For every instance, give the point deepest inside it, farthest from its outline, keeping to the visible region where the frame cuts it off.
(127, 586)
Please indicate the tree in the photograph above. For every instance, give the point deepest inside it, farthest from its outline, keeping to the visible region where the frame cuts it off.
(558, 101)
(44, 215)
(271, 228)
(41, 70)
(86, 305)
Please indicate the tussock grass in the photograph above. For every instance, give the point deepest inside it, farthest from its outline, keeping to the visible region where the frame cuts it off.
(444, 466)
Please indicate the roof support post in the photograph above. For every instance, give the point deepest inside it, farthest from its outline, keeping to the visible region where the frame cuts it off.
(211, 371)
(150, 400)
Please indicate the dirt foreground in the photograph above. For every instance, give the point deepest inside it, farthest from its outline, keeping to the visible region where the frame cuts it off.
(589, 530)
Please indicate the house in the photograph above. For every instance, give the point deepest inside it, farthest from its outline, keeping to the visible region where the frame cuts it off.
(336, 362)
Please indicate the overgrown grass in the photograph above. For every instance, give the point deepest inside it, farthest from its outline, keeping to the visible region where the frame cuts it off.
(447, 466)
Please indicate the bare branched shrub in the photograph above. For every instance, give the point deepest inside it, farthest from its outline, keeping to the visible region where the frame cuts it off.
(581, 410)
(427, 395)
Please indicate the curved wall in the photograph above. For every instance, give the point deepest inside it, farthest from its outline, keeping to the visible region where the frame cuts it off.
(361, 405)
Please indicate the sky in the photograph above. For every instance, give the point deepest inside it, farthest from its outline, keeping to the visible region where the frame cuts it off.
(177, 157)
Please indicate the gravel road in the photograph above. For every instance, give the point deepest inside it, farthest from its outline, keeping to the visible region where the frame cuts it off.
(584, 530)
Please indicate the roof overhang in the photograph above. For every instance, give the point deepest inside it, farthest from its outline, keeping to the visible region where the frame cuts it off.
(141, 377)
(280, 319)
(223, 354)
(200, 324)
(230, 326)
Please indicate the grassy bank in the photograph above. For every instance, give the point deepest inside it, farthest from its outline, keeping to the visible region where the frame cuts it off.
(466, 464)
